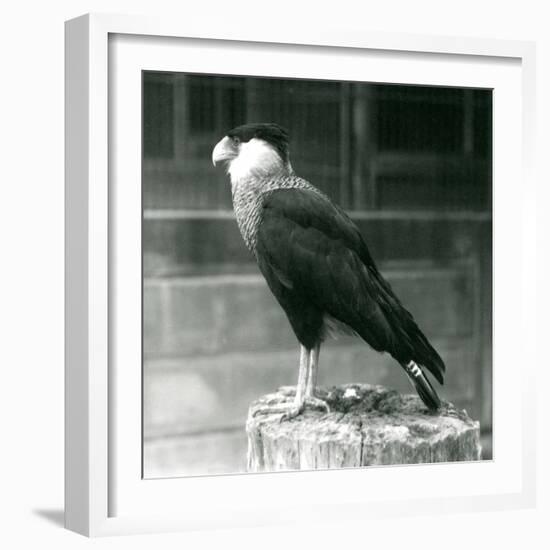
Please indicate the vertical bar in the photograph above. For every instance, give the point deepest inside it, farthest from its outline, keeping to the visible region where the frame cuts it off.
(489, 169)
(219, 85)
(187, 191)
(181, 116)
(345, 145)
(468, 144)
(363, 162)
(217, 110)
(252, 100)
(468, 130)
(372, 127)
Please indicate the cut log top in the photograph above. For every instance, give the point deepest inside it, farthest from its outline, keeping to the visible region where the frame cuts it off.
(367, 425)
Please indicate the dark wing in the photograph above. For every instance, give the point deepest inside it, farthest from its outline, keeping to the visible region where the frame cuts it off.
(314, 249)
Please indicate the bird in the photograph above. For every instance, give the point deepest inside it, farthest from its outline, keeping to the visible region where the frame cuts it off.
(317, 265)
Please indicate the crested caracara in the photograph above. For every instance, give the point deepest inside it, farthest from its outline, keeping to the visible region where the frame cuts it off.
(317, 264)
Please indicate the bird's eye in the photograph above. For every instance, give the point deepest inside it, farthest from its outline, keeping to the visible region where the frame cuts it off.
(236, 140)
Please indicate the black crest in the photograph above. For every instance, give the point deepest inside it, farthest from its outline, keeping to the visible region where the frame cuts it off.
(268, 131)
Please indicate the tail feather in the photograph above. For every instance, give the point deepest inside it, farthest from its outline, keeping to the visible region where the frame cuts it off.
(428, 357)
(422, 386)
(408, 340)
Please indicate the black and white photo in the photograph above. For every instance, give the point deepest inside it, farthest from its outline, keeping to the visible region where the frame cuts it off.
(317, 274)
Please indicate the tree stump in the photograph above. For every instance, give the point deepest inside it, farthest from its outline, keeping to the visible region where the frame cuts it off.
(368, 425)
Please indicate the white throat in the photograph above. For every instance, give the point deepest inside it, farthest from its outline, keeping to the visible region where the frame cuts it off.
(256, 159)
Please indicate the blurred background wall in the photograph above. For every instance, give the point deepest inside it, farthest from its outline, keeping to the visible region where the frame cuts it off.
(411, 164)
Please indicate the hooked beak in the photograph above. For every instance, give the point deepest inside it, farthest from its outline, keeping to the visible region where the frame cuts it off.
(225, 150)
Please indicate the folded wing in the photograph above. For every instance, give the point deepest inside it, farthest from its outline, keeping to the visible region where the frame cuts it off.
(308, 246)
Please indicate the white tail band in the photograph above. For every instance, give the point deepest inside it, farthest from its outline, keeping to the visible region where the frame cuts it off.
(414, 369)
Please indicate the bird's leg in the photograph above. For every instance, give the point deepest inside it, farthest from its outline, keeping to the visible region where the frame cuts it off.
(312, 371)
(293, 409)
(302, 377)
(313, 368)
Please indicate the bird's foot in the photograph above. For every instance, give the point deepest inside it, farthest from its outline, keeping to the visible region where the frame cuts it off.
(317, 403)
(289, 410)
(286, 410)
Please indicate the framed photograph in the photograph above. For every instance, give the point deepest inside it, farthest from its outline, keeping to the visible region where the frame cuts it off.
(237, 202)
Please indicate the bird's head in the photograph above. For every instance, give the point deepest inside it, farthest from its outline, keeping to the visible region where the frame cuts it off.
(253, 150)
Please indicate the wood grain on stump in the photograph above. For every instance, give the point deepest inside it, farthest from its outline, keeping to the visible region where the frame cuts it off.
(367, 425)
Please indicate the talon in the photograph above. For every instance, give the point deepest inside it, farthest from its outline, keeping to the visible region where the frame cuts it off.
(315, 402)
(286, 410)
(293, 413)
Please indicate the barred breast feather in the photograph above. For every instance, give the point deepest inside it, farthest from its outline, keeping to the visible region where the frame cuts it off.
(249, 196)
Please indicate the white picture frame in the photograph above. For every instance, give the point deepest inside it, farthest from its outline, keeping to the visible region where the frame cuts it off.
(104, 491)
